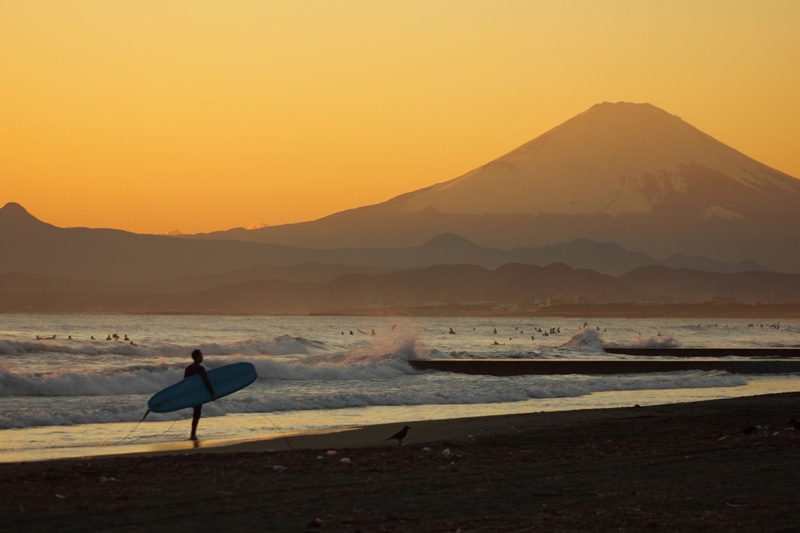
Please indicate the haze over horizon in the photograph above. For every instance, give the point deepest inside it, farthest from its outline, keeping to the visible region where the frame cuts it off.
(153, 117)
(612, 159)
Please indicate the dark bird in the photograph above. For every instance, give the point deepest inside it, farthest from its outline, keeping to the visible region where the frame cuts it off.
(795, 424)
(749, 430)
(400, 435)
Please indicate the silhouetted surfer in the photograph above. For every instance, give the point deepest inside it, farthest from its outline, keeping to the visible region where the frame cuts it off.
(191, 370)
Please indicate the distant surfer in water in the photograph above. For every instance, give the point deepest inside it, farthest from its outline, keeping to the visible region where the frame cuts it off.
(191, 370)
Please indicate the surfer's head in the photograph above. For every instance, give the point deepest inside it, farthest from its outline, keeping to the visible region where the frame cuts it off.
(197, 355)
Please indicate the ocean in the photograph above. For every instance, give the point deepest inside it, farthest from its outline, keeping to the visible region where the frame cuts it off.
(73, 397)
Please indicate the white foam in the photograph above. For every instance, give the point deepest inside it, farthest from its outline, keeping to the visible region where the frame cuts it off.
(591, 340)
(655, 342)
(282, 345)
(370, 362)
(447, 390)
(85, 417)
(587, 340)
(65, 383)
(485, 389)
(382, 359)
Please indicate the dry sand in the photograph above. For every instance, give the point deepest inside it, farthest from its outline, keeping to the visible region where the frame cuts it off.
(686, 467)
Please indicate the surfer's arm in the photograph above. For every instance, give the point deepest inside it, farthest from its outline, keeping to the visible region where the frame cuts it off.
(208, 383)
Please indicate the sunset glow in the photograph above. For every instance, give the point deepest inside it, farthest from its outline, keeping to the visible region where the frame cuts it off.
(200, 116)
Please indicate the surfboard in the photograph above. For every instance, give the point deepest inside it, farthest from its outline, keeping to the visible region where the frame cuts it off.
(192, 391)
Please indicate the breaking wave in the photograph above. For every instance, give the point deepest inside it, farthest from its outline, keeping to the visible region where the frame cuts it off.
(443, 390)
(591, 340)
(656, 342)
(370, 362)
(282, 345)
(63, 383)
(585, 339)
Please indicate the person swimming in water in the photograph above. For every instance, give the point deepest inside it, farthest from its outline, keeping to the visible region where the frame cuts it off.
(191, 370)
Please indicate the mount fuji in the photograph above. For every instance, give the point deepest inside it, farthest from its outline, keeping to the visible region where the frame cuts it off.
(625, 173)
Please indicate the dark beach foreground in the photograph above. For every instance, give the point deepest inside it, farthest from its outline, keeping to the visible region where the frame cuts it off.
(681, 467)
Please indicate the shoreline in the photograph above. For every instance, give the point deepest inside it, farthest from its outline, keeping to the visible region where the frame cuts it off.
(270, 432)
(686, 467)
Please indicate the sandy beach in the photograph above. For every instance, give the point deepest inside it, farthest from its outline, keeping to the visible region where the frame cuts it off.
(686, 467)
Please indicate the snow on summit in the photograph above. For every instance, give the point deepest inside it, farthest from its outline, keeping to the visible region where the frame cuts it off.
(614, 159)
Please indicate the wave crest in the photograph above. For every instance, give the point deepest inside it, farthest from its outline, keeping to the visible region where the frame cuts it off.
(281, 345)
(586, 339)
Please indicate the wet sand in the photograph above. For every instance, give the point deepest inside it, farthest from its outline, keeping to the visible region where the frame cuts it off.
(685, 467)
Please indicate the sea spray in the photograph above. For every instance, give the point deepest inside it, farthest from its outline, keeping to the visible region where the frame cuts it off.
(587, 340)
(382, 359)
(590, 340)
(655, 342)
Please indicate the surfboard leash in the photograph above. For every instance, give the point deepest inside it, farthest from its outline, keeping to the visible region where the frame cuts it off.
(286, 439)
(134, 429)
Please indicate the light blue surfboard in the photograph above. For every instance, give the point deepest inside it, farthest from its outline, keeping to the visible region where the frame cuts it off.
(192, 391)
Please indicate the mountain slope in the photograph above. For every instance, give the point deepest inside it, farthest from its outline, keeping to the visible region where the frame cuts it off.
(111, 256)
(630, 174)
(34, 247)
(613, 159)
(441, 283)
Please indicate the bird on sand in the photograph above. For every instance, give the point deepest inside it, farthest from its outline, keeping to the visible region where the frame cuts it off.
(400, 435)
(795, 424)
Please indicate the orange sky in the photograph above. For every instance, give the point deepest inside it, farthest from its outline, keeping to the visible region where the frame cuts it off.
(153, 116)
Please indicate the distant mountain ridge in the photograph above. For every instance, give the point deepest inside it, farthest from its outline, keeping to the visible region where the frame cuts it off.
(35, 247)
(665, 284)
(124, 272)
(441, 283)
(522, 287)
(14, 282)
(623, 173)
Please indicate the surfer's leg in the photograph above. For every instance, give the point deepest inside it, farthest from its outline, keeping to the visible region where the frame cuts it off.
(195, 420)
